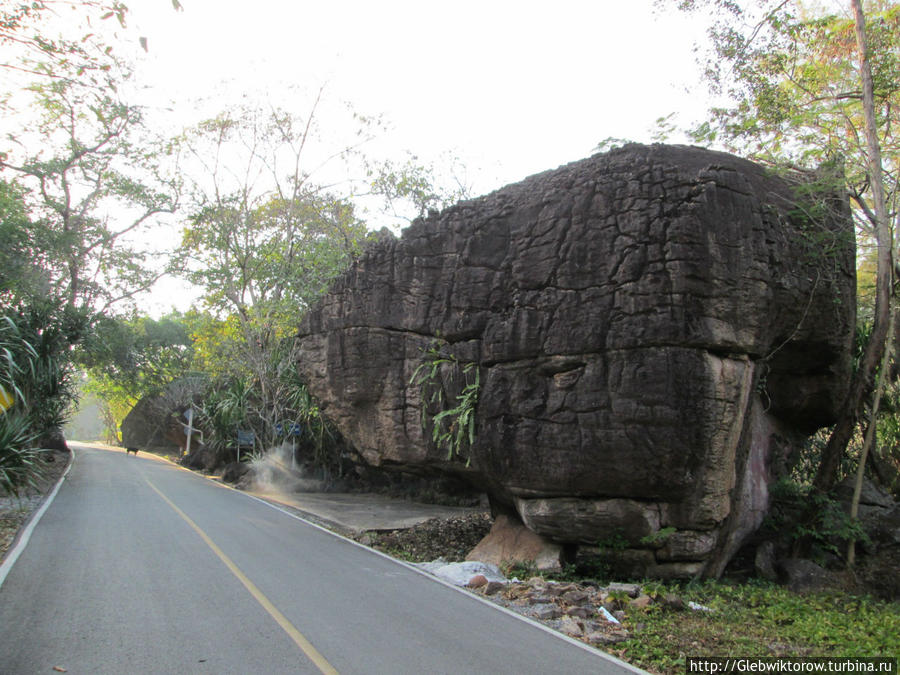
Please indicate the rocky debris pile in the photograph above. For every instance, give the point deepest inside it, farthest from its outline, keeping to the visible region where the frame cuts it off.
(449, 539)
(597, 615)
(642, 338)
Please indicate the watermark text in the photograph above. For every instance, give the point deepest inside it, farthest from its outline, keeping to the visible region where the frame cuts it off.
(824, 665)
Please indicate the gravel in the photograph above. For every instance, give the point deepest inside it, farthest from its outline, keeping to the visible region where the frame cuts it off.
(450, 539)
(15, 511)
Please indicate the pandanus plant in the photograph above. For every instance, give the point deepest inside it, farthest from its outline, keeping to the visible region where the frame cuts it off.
(35, 386)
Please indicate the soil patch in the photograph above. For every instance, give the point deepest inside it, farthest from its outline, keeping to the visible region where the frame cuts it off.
(447, 538)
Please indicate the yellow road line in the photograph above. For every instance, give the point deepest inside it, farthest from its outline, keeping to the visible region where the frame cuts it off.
(305, 645)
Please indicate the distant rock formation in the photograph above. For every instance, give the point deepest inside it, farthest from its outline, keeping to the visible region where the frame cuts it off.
(149, 426)
(156, 423)
(654, 331)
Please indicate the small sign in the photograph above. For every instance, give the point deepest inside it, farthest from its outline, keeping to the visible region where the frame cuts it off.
(290, 429)
(245, 437)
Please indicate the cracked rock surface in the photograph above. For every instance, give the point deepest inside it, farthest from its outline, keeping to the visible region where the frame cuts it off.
(654, 330)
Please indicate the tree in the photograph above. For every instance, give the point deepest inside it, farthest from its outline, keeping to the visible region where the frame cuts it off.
(23, 28)
(78, 183)
(884, 314)
(92, 185)
(129, 359)
(800, 98)
(275, 216)
(263, 241)
(17, 245)
(37, 333)
(412, 187)
(140, 355)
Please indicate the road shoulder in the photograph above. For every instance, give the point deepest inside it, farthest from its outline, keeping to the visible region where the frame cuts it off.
(18, 513)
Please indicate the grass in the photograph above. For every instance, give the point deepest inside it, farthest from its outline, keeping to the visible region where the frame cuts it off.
(759, 619)
(753, 618)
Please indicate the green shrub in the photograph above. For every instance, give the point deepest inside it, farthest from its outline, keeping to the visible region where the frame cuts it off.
(659, 538)
(19, 460)
(800, 515)
(453, 425)
(36, 373)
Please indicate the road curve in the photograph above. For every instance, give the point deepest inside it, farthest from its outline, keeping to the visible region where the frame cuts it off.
(141, 567)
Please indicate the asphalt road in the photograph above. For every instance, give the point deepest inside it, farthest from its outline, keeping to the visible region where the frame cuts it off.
(141, 567)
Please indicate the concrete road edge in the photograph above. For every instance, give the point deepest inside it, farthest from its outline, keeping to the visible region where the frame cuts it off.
(537, 624)
(24, 535)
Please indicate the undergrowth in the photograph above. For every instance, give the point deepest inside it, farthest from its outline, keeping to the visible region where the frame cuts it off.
(751, 619)
(760, 619)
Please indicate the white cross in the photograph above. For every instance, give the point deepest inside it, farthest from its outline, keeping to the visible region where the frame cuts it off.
(189, 428)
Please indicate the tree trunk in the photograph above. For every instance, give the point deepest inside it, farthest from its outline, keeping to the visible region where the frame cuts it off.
(870, 439)
(862, 380)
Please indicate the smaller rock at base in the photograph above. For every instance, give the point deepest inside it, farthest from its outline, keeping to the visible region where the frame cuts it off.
(477, 581)
(764, 561)
(492, 587)
(607, 638)
(641, 602)
(575, 597)
(571, 627)
(672, 601)
(509, 541)
(804, 575)
(581, 612)
(546, 612)
(633, 590)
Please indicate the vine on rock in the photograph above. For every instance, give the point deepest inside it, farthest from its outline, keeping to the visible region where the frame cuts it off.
(452, 428)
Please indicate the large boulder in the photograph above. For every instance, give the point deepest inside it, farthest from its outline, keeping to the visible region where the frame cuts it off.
(151, 425)
(654, 330)
(156, 423)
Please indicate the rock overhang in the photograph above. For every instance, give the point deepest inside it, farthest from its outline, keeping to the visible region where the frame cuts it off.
(651, 325)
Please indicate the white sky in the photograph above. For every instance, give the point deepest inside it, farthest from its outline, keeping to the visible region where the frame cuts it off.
(512, 88)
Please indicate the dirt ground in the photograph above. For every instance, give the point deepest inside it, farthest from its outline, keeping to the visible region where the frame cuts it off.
(16, 510)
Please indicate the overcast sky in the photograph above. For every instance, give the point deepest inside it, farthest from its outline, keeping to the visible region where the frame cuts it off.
(511, 88)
